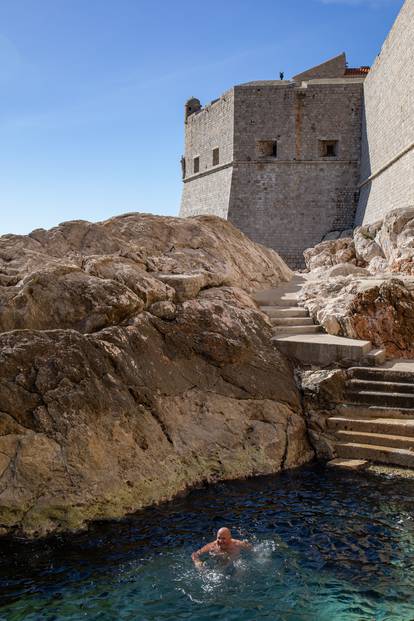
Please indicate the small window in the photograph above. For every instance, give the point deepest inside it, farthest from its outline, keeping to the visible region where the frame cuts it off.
(328, 148)
(266, 148)
(196, 165)
(216, 157)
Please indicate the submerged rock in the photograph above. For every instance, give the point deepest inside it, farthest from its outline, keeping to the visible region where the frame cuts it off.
(121, 387)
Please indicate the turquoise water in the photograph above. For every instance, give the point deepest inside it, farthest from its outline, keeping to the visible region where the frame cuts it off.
(328, 546)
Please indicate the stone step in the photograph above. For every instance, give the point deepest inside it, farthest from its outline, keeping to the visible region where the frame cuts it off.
(379, 386)
(381, 454)
(377, 439)
(286, 293)
(385, 399)
(287, 311)
(348, 464)
(322, 349)
(392, 426)
(286, 302)
(291, 321)
(380, 374)
(376, 357)
(296, 329)
(364, 412)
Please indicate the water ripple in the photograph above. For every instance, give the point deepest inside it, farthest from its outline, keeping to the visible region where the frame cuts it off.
(327, 546)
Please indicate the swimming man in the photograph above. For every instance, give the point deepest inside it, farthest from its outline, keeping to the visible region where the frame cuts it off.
(224, 549)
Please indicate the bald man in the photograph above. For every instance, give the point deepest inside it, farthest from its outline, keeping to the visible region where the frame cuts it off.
(224, 549)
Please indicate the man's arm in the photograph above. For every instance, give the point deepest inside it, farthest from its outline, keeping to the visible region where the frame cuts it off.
(245, 545)
(196, 555)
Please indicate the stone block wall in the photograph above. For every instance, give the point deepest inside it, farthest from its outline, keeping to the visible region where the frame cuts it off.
(208, 194)
(388, 125)
(208, 190)
(282, 206)
(291, 201)
(332, 68)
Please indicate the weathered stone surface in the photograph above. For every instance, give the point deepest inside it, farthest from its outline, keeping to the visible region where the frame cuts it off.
(88, 276)
(322, 391)
(346, 269)
(63, 296)
(186, 286)
(329, 253)
(378, 265)
(380, 310)
(348, 464)
(326, 386)
(361, 298)
(384, 314)
(163, 309)
(118, 407)
(340, 269)
(366, 248)
(384, 246)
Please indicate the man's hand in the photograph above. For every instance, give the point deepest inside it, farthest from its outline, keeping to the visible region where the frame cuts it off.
(196, 555)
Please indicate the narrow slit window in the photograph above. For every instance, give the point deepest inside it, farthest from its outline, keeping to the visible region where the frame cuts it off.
(196, 165)
(266, 148)
(328, 148)
(216, 157)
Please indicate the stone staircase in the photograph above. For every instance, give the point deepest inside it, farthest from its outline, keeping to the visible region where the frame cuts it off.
(377, 421)
(299, 337)
(290, 320)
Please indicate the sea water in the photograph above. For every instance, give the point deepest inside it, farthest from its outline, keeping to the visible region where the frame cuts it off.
(327, 546)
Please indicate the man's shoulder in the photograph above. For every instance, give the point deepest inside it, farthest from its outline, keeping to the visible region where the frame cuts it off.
(242, 544)
(239, 542)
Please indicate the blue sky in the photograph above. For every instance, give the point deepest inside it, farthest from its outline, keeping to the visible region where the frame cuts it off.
(92, 91)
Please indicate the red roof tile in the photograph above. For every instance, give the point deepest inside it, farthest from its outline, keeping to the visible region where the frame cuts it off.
(357, 70)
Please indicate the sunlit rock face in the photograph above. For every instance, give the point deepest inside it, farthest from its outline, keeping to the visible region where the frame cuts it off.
(134, 365)
(384, 246)
(362, 287)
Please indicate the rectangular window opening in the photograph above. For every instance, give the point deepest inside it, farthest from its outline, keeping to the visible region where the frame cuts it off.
(216, 157)
(196, 165)
(328, 148)
(266, 148)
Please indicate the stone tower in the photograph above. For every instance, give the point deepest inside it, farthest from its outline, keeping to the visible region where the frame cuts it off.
(279, 159)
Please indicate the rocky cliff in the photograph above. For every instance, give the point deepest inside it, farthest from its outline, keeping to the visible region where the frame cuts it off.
(133, 365)
(363, 286)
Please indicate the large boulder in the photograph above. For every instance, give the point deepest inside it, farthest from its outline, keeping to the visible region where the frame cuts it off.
(377, 309)
(323, 390)
(352, 289)
(134, 365)
(88, 276)
(366, 246)
(329, 253)
(383, 246)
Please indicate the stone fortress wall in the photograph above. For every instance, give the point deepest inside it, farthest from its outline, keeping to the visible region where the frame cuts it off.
(274, 177)
(207, 190)
(289, 201)
(387, 159)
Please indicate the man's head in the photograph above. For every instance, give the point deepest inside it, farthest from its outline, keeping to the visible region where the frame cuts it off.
(223, 538)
